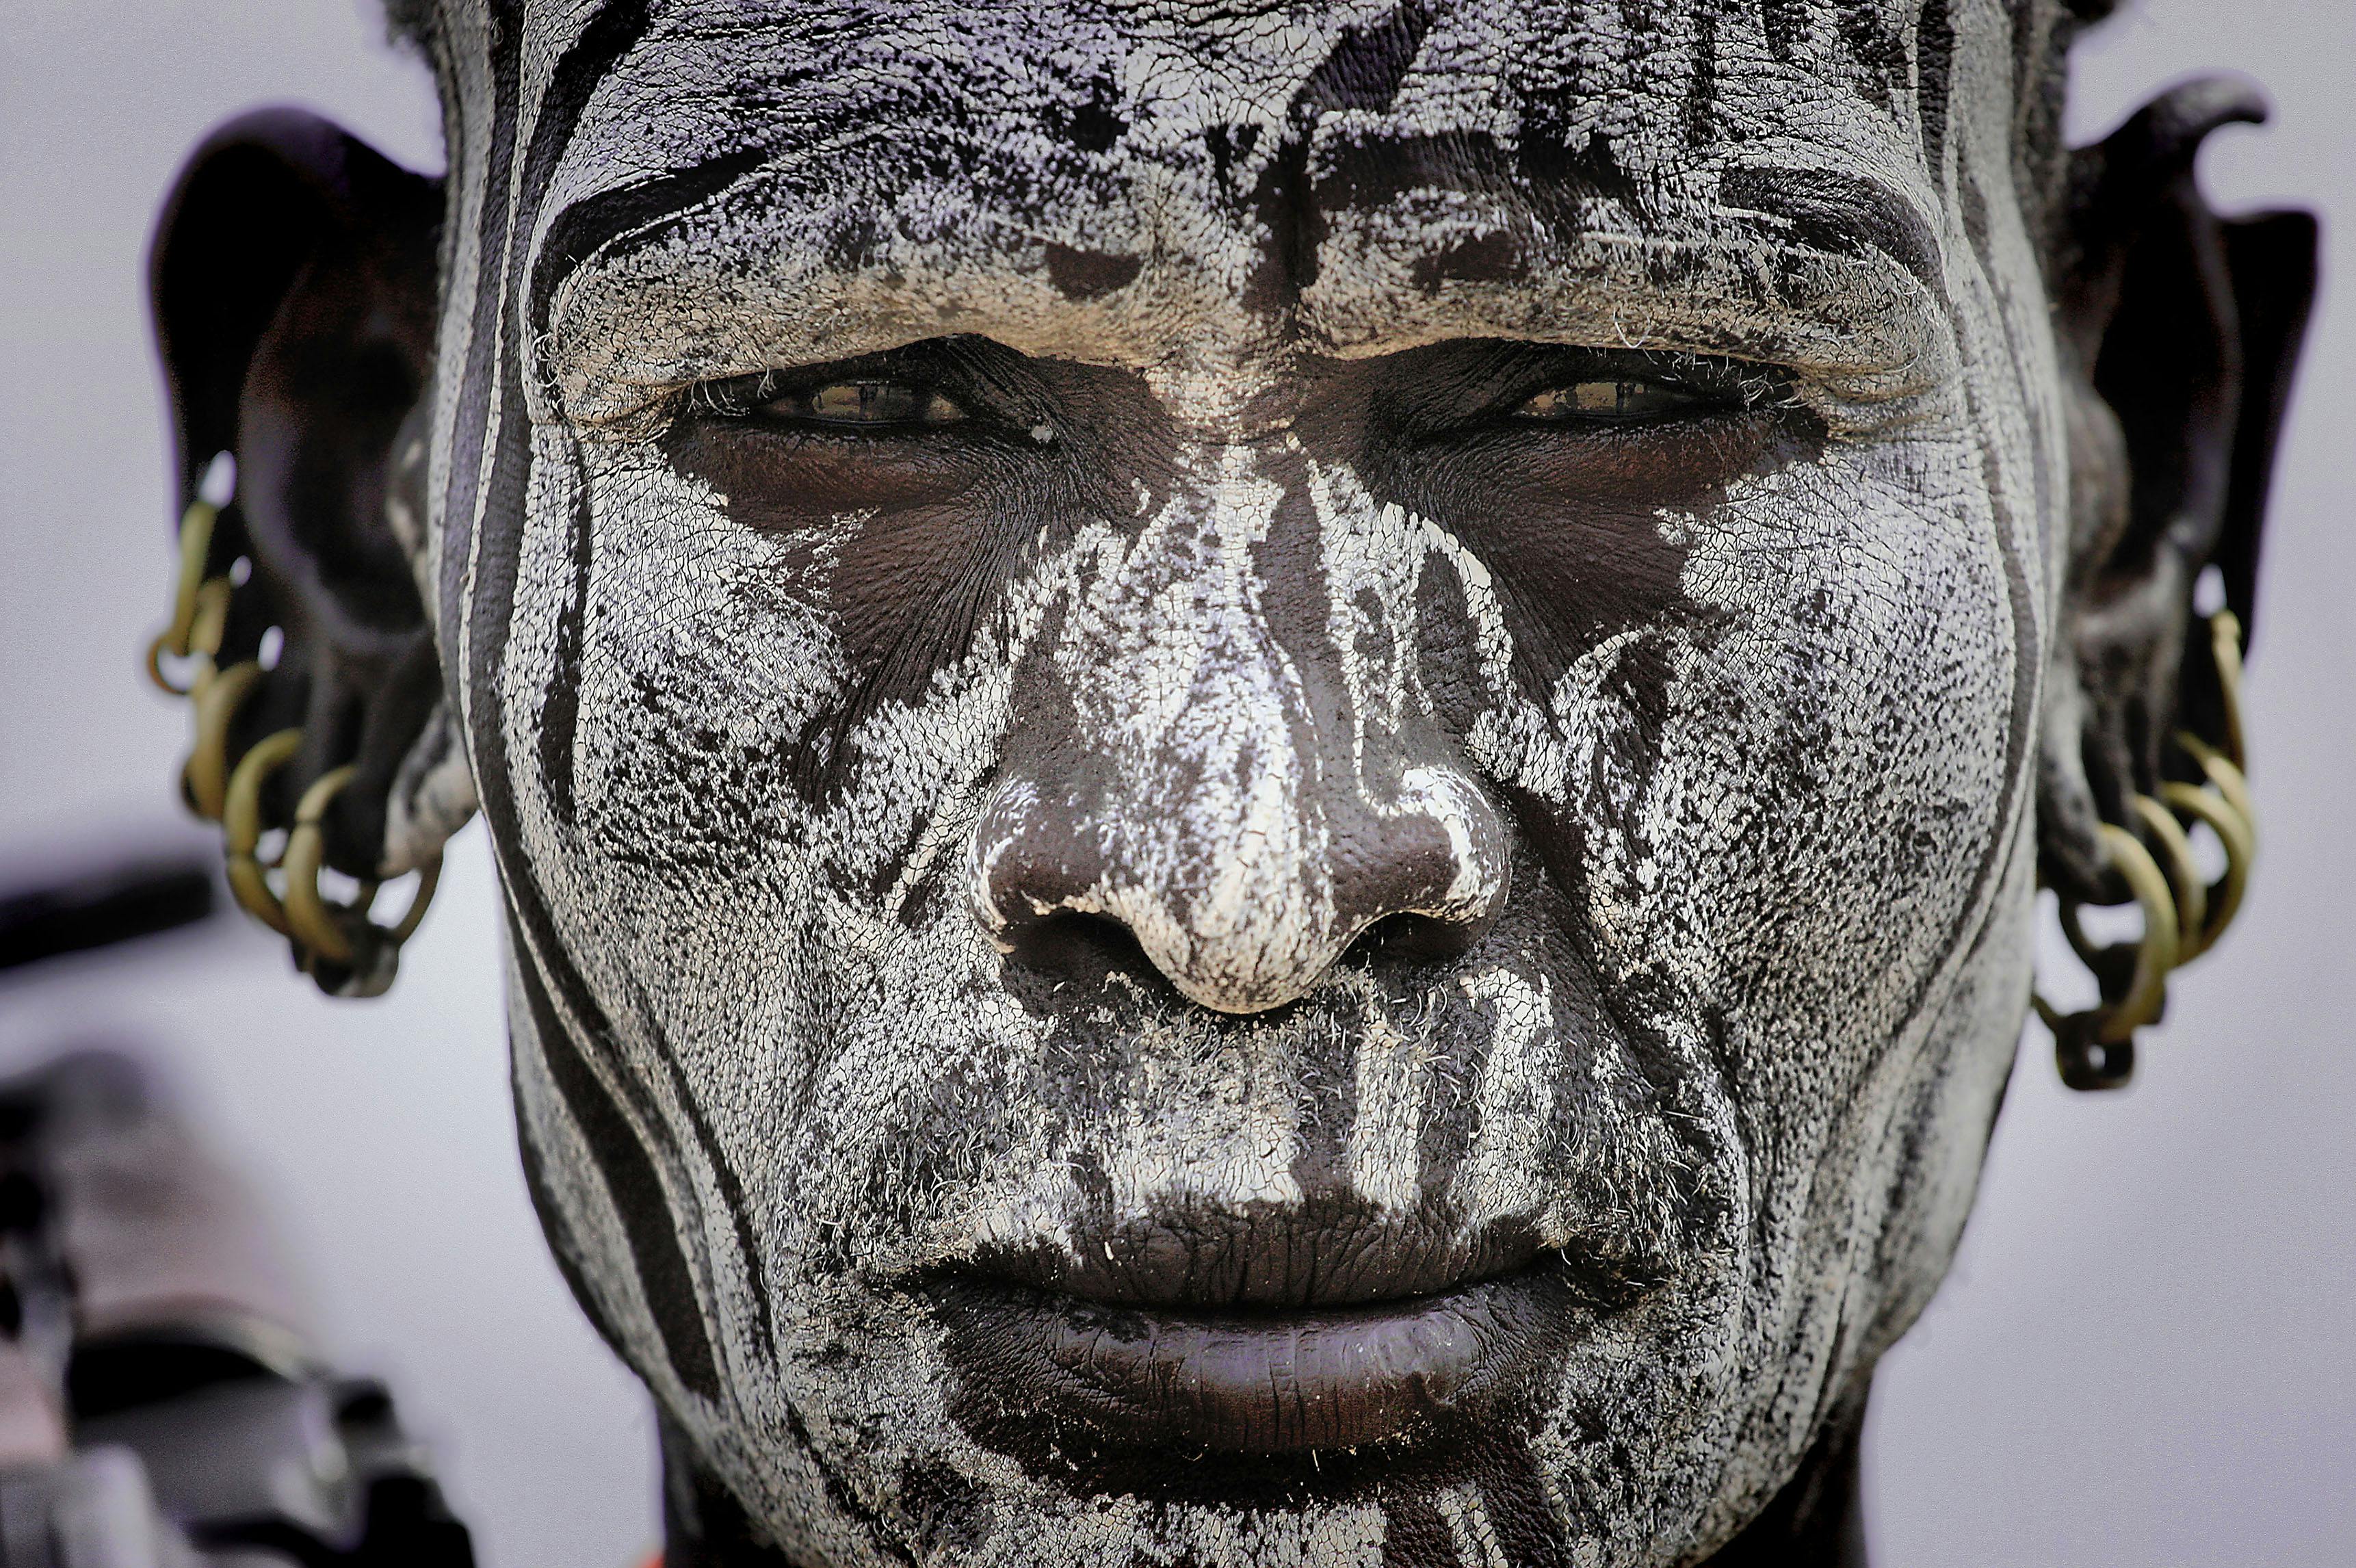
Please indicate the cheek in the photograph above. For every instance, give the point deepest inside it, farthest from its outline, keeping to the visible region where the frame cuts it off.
(1829, 756)
(663, 665)
(705, 651)
(724, 833)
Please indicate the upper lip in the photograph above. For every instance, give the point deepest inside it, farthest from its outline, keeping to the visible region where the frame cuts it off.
(1335, 1254)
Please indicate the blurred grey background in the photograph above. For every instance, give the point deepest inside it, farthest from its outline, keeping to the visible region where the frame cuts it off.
(2147, 1354)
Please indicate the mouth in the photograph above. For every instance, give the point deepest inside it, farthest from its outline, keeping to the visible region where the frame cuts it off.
(1269, 1383)
(1262, 1336)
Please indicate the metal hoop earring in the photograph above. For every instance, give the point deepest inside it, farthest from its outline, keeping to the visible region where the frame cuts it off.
(320, 928)
(2183, 875)
(205, 776)
(242, 828)
(2234, 831)
(2096, 1048)
(178, 638)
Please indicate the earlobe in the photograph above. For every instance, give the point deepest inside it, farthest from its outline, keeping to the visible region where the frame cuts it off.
(294, 280)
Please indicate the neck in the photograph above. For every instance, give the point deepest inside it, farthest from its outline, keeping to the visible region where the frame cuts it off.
(703, 1524)
(1818, 1520)
(1815, 1521)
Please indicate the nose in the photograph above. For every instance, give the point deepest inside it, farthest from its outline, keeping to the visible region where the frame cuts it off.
(1245, 881)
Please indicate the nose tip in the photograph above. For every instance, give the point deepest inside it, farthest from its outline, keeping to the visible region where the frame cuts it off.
(1246, 914)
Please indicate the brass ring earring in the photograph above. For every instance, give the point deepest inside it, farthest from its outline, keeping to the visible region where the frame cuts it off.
(2156, 952)
(2233, 831)
(2225, 648)
(312, 920)
(2183, 875)
(241, 827)
(2094, 1049)
(176, 639)
(206, 773)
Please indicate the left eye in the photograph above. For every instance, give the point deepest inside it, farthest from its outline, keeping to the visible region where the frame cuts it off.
(1611, 401)
(865, 405)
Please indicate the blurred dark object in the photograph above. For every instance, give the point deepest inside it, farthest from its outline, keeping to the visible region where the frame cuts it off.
(129, 899)
(160, 1401)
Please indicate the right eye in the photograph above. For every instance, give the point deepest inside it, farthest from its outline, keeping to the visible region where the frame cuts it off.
(865, 405)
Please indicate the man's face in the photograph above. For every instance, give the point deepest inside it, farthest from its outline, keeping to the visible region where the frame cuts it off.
(1261, 772)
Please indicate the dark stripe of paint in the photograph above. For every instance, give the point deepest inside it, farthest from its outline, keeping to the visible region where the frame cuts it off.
(1365, 68)
(637, 1192)
(1842, 213)
(491, 613)
(587, 226)
(723, 1174)
(474, 412)
(563, 1245)
(1879, 50)
(1934, 67)
(1528, 1530)
(560, 704)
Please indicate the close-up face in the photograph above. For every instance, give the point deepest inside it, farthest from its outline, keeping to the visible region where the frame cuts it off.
(1268, 781)
(1269, 768)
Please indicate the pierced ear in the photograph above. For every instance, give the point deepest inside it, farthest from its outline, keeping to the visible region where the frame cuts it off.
(2179, 332)
(293, 283)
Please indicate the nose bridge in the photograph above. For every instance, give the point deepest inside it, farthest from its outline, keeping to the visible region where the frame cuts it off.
(1223, 797)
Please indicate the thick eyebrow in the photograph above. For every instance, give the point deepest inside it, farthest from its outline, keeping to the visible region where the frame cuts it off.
(584, 227)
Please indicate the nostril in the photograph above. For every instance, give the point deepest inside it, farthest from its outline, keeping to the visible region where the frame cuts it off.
(1413, 939)
(1069, 947)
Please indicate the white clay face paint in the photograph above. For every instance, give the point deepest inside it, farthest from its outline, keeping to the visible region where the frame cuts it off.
(1744, 872)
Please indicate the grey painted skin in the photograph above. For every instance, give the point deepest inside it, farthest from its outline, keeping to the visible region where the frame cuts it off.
(1110, 648)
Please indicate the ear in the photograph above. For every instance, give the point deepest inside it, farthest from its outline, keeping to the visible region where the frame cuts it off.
(2179, 332)
(294, 280)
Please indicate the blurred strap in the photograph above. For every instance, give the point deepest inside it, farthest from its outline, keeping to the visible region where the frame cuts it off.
(106, 904)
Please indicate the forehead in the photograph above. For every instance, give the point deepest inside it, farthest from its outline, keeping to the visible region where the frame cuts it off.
(1144, 184)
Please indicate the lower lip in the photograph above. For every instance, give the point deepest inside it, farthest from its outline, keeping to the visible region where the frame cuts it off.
(1250, 1383)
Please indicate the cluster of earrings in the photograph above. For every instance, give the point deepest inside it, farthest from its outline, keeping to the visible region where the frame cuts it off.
(335, 942)
(2184, 914)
